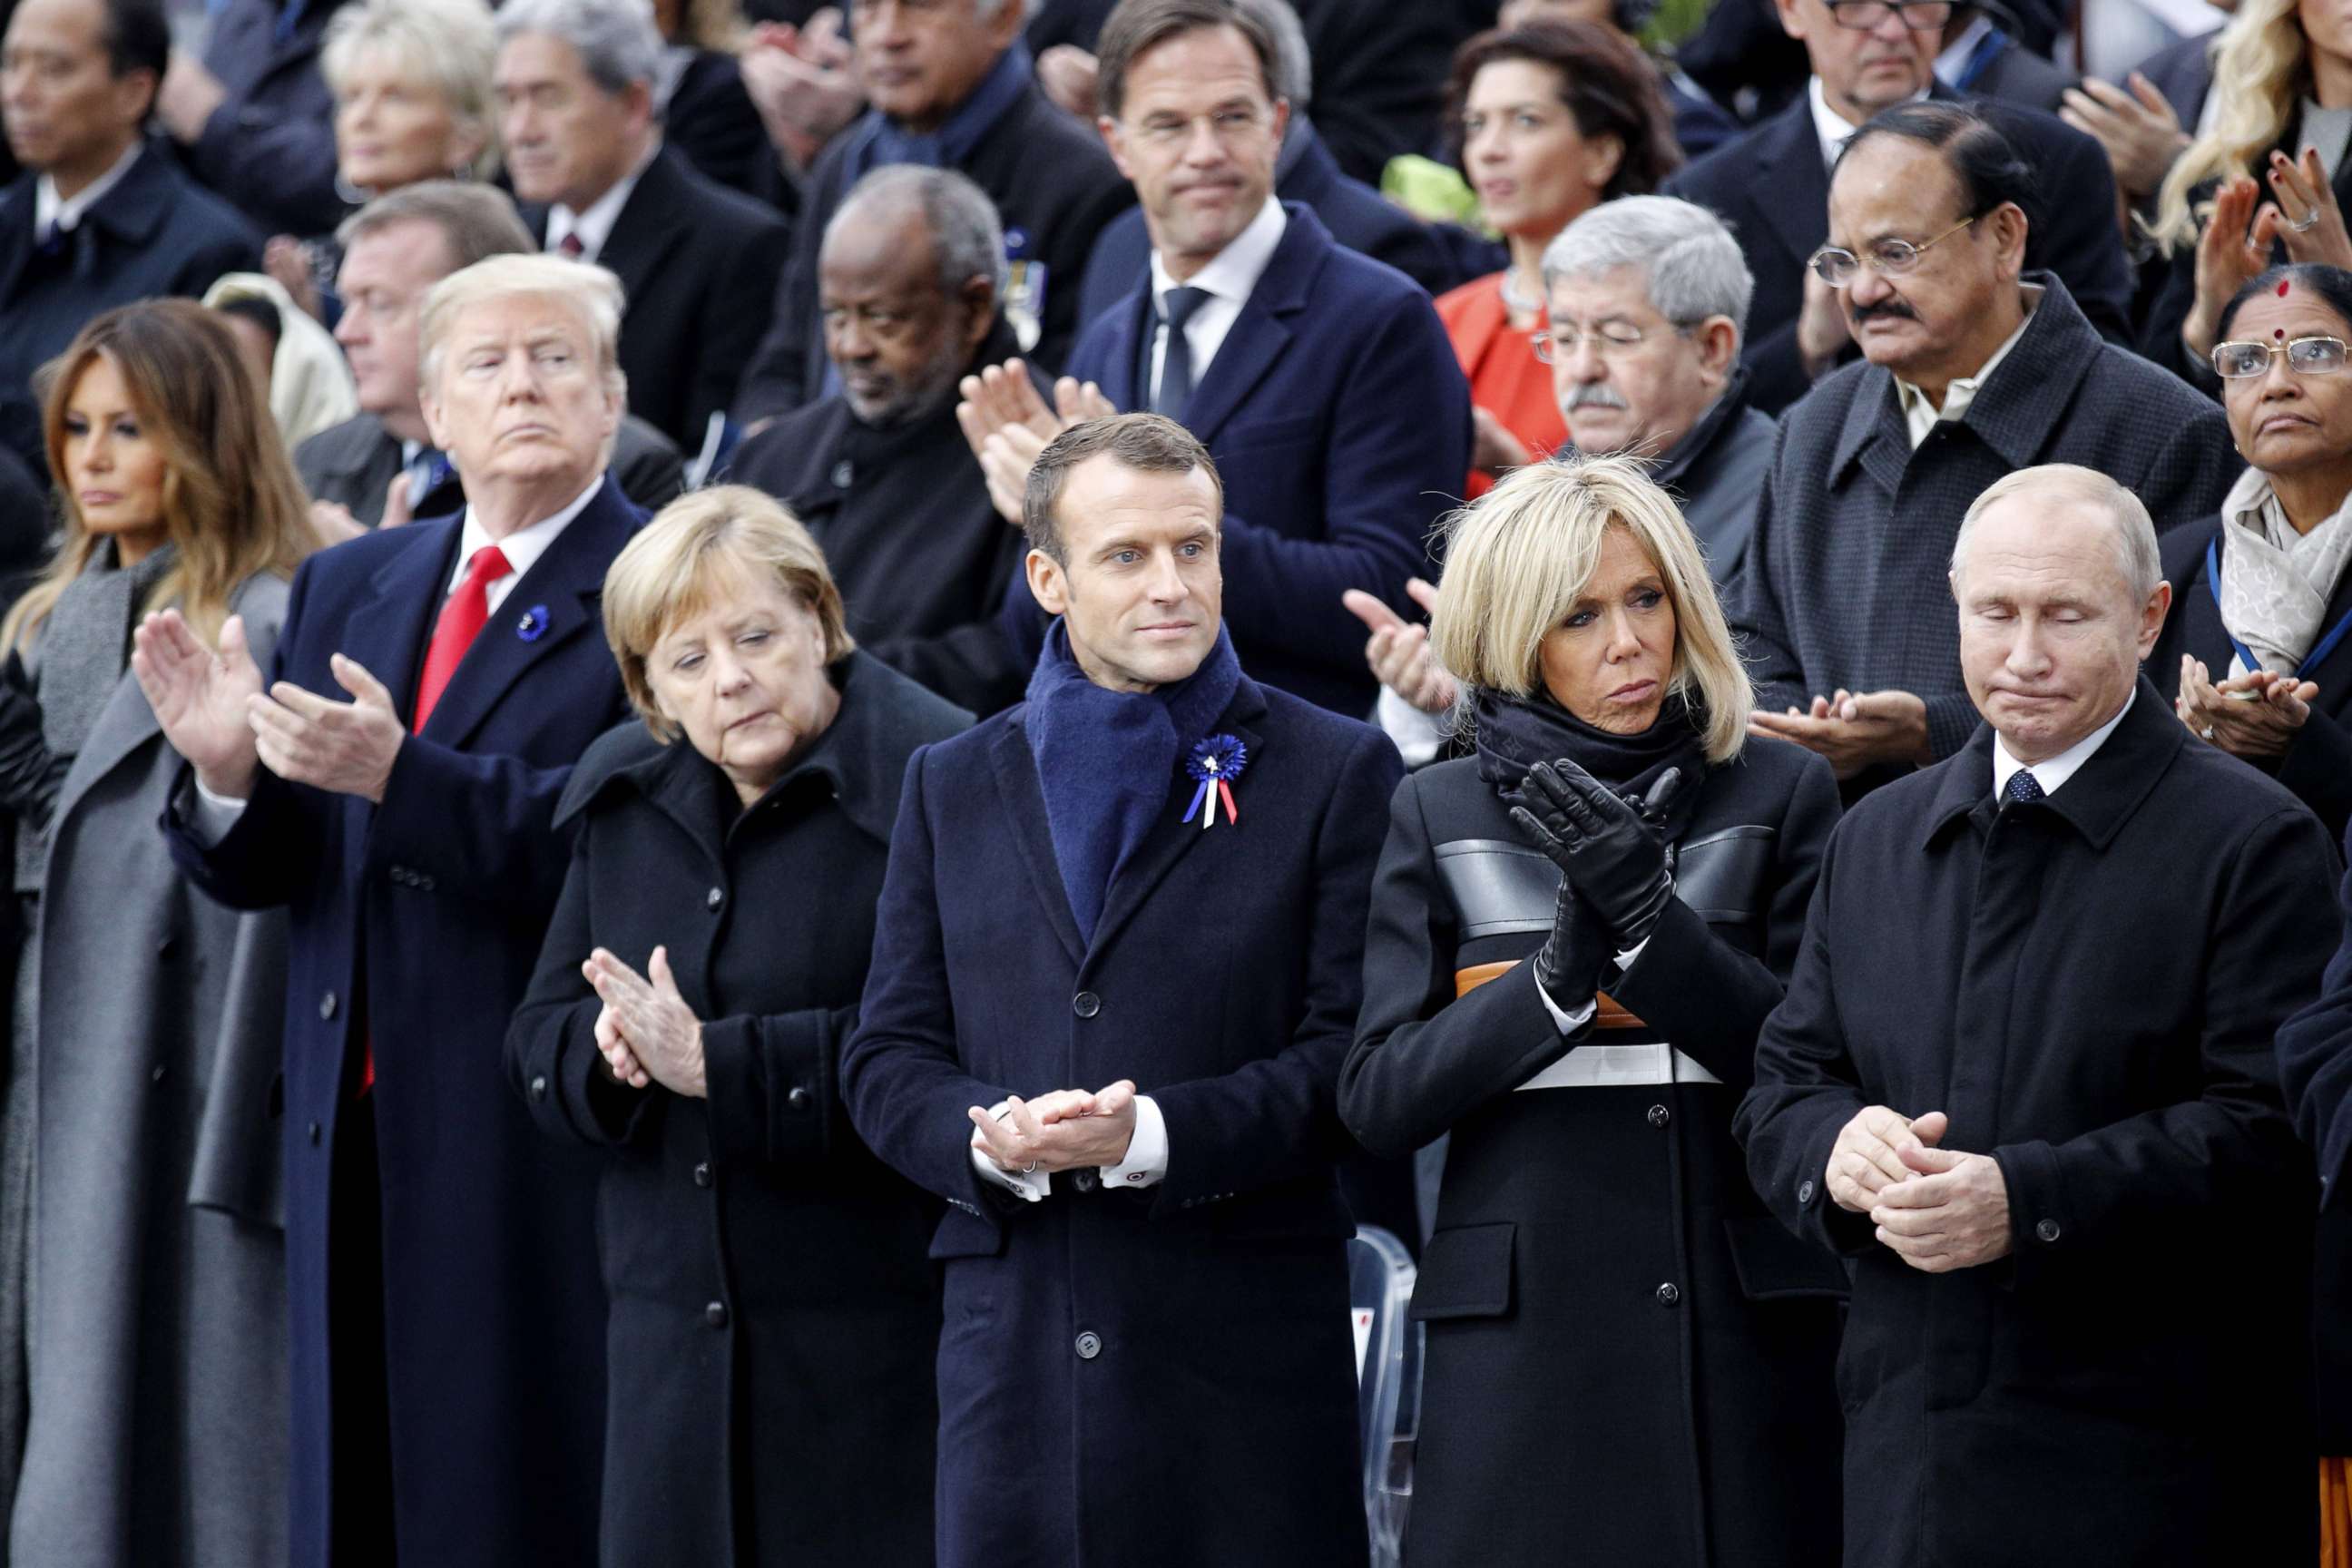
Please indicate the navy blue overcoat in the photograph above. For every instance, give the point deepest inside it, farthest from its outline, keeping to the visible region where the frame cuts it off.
(1163, 1375)
(414, 928)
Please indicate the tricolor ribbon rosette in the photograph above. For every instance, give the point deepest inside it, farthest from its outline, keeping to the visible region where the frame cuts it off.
(1215, 762)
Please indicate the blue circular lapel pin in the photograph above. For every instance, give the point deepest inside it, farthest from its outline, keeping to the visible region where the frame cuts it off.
(533, 624)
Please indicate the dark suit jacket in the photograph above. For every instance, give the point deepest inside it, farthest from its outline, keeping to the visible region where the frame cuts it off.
(1380, 73)
(156, 233)
(1773, 189)
(2016, 74)
(1054, 185)
(1222, 978)
(2183, 71)
(2318, 766)
(1358, 217)
(270, 146)
(1340, 421)
(2088, 985)
(697, 262)
(1846, 579)
(709, 119)
(415, 925)
(352, 464)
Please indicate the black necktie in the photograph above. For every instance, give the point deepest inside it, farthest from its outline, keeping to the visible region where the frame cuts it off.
(1175, 394)
(52, 240)
(2022, 787)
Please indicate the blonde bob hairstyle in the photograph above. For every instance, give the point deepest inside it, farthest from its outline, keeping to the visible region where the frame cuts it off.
(589, 290)
(1518, 557)
(698, 551)
(448, 48)
(2262, 70)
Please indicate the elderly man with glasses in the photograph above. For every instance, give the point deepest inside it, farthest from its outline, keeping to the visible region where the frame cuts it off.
(1973, 367)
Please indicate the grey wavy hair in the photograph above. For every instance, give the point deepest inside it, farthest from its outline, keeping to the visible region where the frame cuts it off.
(616, 40)
(1690, 264)
(966, 235)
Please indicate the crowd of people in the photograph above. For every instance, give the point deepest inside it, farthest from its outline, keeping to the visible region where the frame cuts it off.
(764, 765)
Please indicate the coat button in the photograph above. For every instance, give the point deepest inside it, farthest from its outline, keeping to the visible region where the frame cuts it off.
(539, 1088)
(1085, 1178)
(158, 1074)
(798, 1100)
(1804, 1191)
(1668, 1295)
(715, 1314)
(1089, 1345)
(1660, 1116)
(1085, 1004)
(716, 897)
(315, 1131)
(2047, 1230)
(841, 474)
(327, 1005)
(702, 1175)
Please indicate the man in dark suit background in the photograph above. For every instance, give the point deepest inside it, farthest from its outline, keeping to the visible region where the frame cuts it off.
(696, 261)
(394, 250)
(100, 216)
(1971, 368)
(1772, 186)
(1320, 381)
(1145, 1361)
(396, 793)
(1981, 57)
(1305, 172)
(2023, 1080)
(253, 116)
(909, 275)
(950, 85)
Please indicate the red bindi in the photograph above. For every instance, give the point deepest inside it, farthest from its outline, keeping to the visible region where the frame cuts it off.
(2279, 332)
(2283, 288)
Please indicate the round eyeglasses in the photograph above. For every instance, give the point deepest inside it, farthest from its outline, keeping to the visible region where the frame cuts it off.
(1919, 15)
(2305, 356)
(1837, 267)
(1608, 339)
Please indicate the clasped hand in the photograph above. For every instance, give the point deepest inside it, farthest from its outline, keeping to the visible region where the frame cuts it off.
(1937, 1209)
(211, 706)
(646, 1031)
(1068, 1130)
(2262, 723)
(1006, 424)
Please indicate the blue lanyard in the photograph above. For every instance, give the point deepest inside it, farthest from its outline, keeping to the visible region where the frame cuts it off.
(2320, 650)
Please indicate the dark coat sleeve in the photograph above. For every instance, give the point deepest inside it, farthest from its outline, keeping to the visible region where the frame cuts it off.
(1751, 604)
(710, 118)
(2149, 1180)
(30, 773)
(1703, 993)
(553, 1035)
(2315, 1054)
(1276, 1119)
(476, 824)
(1422, 1059)
(2192, 474)
(2318, 767)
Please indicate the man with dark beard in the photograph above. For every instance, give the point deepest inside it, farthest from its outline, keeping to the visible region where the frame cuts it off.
(910, 276)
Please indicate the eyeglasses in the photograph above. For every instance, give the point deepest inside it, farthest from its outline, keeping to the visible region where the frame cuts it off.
(1919, 15)
(1608, 340)
(2305, 356)
(1888, 258)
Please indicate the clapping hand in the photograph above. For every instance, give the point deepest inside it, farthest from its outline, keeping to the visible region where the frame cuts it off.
(2310, 222)
(199, 698)
(1006, 423)
(1398, 651)
(646, 1031)
(2252, 715)
(345, 747)
(2138, 129)
(1616, 847)
(1069, 1130)
(804, 83)
(2234, 246)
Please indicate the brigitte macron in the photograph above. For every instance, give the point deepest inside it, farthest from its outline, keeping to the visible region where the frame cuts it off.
(1575, 935)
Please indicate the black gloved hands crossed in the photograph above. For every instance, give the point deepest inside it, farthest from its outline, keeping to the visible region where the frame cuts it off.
(1615, 873)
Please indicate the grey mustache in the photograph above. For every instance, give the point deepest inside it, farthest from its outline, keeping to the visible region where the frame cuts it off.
(1592, 395)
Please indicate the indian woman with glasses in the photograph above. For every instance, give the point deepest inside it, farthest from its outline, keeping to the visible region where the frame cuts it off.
(1551, 120)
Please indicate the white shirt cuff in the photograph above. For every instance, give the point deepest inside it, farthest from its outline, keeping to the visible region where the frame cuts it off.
(1631, 956)
(1028, 1186)
(1568, 1023)
(1418, 736)
(214, 815)
(1147, 1151)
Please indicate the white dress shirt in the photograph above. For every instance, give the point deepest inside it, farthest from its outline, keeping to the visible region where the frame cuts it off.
(66, 212)
(2052, 774)
(594, 226)
(1919, 416)
(1954, 57)
(215, 815)
(1227, 279)
(1145, 1165)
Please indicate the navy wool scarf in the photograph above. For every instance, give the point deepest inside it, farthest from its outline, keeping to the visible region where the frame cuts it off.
(1107, 759)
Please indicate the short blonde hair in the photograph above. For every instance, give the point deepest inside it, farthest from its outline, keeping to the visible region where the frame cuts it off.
(698, 549)
(1517, 558)
(587, 288)
(450, 46)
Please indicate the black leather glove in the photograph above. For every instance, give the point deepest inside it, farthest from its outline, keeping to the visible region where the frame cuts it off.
(1617, 847)
(1574, 957)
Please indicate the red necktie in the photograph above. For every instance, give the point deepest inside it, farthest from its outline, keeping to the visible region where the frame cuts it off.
(463, 616)
(570, 246)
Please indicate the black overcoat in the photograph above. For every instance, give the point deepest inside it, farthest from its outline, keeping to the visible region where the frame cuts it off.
(1162, 1376)
(2088, 985)
(1603, 1286)
(773, 1318)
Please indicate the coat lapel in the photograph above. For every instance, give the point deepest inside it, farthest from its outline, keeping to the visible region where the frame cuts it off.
(646, 228)
(1793, 184)
(1121, 361)
(124, 726)
(1259, 336)
(1025, 806)
(1172, 838)
(386, 632)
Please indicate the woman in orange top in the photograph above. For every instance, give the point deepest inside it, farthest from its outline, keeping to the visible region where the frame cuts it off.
(1554, 118)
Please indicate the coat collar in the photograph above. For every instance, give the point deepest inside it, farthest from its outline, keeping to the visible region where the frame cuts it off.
(128, 215)
(2096, 802)
(1785, 160)
(1726, 411)
(2025, 399)
(657, 217)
